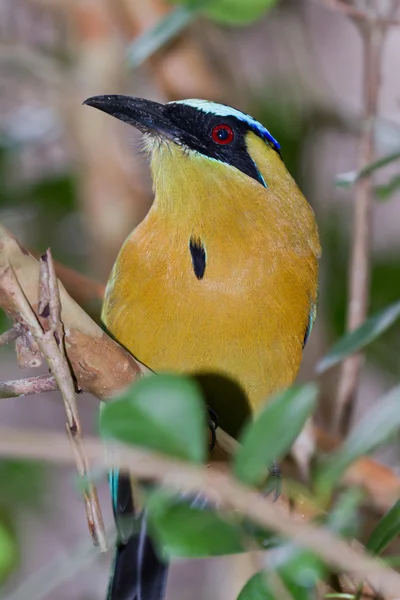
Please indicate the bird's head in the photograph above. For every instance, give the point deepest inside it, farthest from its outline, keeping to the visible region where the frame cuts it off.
(206, 132)
(216, 168)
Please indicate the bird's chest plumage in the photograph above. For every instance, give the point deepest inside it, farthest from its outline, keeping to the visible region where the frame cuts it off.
(208, 296)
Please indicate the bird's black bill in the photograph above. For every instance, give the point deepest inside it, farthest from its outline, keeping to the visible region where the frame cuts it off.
(187, 126)
(147, 116)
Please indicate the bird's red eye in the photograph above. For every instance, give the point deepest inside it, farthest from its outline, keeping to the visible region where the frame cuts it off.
(222, 134)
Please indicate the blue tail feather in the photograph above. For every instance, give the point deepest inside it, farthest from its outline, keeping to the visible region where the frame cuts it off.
(137, 572)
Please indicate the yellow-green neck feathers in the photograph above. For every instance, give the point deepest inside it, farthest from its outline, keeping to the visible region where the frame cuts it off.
(192, 189)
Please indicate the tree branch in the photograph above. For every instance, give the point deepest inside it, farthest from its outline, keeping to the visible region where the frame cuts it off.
(373, 36)
(100, 365)
(30, 385)
(218, 487)
(59, 327)
(10, 335)
(51, 345)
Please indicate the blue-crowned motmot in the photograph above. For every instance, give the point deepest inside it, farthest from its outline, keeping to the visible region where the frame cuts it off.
(220, 277)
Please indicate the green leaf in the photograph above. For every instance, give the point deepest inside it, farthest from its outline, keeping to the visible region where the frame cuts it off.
(273, 432)
(231, 12)
(298, 570)
(257, 588)
(158, 36)
(376, 427)
(163, 412)
(385, 191)
(9, 554)
(346, 180)
(354, 341)
(387, 530)
(183, 531)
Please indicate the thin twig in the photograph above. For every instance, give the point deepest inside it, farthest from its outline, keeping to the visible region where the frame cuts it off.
(50, 308)
(380, 484)
(10, 335)
(59, 367)
(218, 487)
(373, 35)
(25, 387)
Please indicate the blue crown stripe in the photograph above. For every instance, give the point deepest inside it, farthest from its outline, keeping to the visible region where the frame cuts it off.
(227, 111)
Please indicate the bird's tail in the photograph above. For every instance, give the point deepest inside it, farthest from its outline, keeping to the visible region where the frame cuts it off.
(137, 572)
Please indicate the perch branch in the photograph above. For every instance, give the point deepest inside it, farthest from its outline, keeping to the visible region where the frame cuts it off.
(50, 343)
(100, 365)
(80, 343)
(50, 304)
(218, 487)
(30, 385)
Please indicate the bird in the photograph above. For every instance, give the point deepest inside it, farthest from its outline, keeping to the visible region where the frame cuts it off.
(219, 278)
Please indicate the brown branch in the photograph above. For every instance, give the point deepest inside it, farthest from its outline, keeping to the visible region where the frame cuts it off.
(50, 343)
(50, 305)
(373, 35)
(380, 484)
(218, 487)
(10, 336)
(90, 352)
(25, 387)
(99, 364)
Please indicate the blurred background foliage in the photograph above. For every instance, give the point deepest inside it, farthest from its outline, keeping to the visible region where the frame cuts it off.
(73, 180)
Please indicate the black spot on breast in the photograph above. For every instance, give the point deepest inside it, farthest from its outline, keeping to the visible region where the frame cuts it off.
(198, 254)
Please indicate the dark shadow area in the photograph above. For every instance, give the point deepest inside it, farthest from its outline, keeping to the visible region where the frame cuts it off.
(227, 399)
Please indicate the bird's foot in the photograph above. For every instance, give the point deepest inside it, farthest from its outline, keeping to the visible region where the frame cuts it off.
(274, 483)
(212, 424)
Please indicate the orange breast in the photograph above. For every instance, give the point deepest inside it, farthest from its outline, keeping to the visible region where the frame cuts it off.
(245, 318)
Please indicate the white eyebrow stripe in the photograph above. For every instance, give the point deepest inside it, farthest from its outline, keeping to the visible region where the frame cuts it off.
(227, 111)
